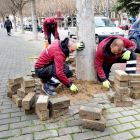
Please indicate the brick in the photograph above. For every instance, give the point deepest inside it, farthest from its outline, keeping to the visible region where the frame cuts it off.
(20, 124)
(13, 88)
(9, 94)
(20, 93)
(28, 81)
(121, 75)
(18, 100)
(17, 114)
(55, 125)
(29, 100)
(135, 133)
(42, 102)
(126, 119)
(98, 125)
(32, 129)
(112, 122)
(134, 90)
(45, 134)
(120, 136)
(9, 120)
(90, 113)
(43, 115)
(134, 77)
(135, 95)
(4, 127)
(15, 80)
(59, 112)
(123, 103)
(103, 138)
(26, 90)
(10, 110)
(5, 134)
(112, 116)
(5, 107)
(136, 123)
(58, 103)
(120, 83)
(23, 137)
(111, 98)
(116, 109)
(74, 122)
(36, 122)
(130, 112)
(120, 96)
(69, 130)
(85, 136)
(68, 137)
(32, 110)
(80, 102)
(121, 89)
(29, 117)
(135, 84)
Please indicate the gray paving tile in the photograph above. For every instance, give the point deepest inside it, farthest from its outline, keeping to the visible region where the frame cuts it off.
(10, 110)
(137, 116)
(116, 109)
(135, 133)
(55, 125)
(121, 136)
(4, 116)
(126, 119)
(136, 123)
(130, 108)
(74, 123)
(10, 120)
(130, 112)
(29, 117)
(68, 137)
(20, 124)
(112, 122)
(23, 137)
(4, 127)
(103, 138)
(84, 129)
(36, 122)
(112, 116)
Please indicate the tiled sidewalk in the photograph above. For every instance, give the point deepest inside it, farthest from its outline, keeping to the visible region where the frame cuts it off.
(122, 123)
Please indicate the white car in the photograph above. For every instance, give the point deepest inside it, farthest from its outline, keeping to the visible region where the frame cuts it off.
(104, 28)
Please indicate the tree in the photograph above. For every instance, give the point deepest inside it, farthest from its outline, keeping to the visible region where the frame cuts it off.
(19, 4)
(34, 20)
(128, 6)
(85, 62)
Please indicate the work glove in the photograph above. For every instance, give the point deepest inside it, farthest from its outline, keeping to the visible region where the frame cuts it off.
(73, 88)
(80, 46)
(106, 84)
(126, 55)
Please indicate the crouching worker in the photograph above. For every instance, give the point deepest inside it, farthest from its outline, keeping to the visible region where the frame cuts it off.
(115, 49)
(50, 67)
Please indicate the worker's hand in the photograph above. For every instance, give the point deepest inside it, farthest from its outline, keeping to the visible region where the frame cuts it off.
(80, 46)
(73, 88)
(106, 84)
(126, 55)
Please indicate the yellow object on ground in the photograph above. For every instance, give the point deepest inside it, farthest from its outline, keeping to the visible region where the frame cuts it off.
(33, 57)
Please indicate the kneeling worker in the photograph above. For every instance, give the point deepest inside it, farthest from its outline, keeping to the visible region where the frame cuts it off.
(115, 49)
(50, 67)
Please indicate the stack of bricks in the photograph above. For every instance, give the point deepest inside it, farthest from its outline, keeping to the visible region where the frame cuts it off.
(38, 88)
(41, 107)
(134, 84)
(59, 106)
(92, 118)
(121, 98)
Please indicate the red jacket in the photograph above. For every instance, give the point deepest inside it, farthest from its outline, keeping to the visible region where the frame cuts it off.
(100, 56)
(58, 54)
(50, 20)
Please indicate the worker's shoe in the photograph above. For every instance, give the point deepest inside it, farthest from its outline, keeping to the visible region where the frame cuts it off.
(49, 92)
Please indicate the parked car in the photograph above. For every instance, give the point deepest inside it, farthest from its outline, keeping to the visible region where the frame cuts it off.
(104, 28)
(134, 34)
(122, 26)
(28, 27)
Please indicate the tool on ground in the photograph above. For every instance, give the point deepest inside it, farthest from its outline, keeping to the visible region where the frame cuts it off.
(84, 87)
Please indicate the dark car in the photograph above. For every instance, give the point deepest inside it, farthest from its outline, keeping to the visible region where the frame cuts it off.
(134, 35)
(122, 26)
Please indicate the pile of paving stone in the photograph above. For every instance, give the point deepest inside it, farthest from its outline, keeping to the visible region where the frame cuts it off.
(92, 118)
(21, 90)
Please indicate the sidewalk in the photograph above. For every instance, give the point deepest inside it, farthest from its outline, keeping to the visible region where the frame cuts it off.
(122, 123)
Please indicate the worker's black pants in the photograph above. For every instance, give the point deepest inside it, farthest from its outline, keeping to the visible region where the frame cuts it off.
(8, 29)
(48, 74)
(130, 65)
(49, 31)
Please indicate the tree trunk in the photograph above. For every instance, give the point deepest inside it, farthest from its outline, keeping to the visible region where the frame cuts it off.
(3, 22)
(15, 27)
(21, 21)
(85, 62)
(34, 20)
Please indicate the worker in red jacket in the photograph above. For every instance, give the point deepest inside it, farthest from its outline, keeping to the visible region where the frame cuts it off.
(115, 49)
(50, 67)
(50, 26)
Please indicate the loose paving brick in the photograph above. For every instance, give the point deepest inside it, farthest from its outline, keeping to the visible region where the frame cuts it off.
(32, 110)
(55, 125)
(20, 124)
(43, 115)
(86, 135)
(28, 81)
(135, 84)
(116, 109)
(120, 96)
(68, 137)
(4, 116)
(126, 119)
(130, 112)
(18, 100)
(23, 137)
(121, 89)
(13, 88)
(121, 75)
(135, 133)
(59, 103)
(15, 80)
(112, 116)
(107, 131)
(120, 83)
(124, 127)
(10, 94)
(9, 133)
(121, 136)
(69, 130)
(10, 120)
(134, 77)
(26, 90)
(112, 122)
(45, 134)
(74, 123)
(20, 93)
(29, 117)
(136, 123)
(32, 129)
(134, 90)
(4, 127)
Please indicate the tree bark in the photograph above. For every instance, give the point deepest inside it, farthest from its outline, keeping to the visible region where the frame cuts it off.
(21, 21)
(34, 20)
(3, 21)
(85, 62)
(15, 27)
